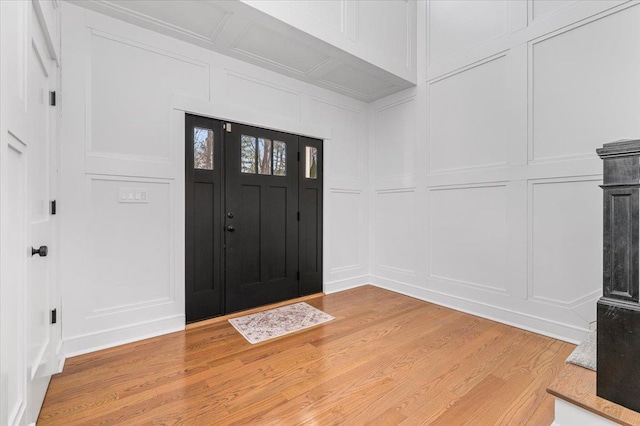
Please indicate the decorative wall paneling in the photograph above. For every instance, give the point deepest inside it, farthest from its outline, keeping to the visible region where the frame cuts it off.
(502, 131)
(124, 262)
(395, 222)
(335, 45)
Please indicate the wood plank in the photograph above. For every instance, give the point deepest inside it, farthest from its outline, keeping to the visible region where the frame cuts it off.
(386, 359)
(577, 385)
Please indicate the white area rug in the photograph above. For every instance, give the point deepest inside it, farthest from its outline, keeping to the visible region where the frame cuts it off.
(585, 354)
(277, 322)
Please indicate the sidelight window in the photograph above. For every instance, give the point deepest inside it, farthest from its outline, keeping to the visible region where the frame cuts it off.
(202, 148)
(311, 162)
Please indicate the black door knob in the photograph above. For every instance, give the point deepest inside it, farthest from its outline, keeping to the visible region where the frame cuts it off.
(42, 251)
(230, 228)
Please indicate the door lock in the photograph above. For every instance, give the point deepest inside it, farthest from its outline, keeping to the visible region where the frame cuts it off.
(42, 251)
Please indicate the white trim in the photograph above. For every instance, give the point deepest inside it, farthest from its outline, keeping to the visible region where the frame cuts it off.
(249, 117)
(520, 320)
(91, 342)
(346, 284)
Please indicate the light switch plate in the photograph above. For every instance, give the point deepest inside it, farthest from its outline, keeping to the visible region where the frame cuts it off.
(133, 195)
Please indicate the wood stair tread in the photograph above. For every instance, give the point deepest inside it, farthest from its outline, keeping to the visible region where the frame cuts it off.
(577, 385)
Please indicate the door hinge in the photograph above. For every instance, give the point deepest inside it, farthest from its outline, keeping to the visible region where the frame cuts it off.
(54, 316)
(52, 98)
(298, 216)
(298, 156)
(298, 275)
(54, 206)
(227, 127)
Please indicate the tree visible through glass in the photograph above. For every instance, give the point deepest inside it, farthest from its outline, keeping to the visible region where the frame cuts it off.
(202, 148)
(248, 154)
(263, 156)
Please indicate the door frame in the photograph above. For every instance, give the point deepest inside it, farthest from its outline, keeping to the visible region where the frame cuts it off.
(183, 105)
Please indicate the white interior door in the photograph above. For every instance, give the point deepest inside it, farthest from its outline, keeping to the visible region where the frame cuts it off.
(28, 153)
(40, 226)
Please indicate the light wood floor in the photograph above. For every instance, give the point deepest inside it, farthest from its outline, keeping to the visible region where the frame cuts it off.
(386, 359)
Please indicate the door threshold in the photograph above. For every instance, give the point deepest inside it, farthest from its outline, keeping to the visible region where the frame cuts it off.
(251, 311)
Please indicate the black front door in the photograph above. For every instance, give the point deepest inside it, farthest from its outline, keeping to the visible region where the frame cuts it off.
(261, 217)
(253, 217)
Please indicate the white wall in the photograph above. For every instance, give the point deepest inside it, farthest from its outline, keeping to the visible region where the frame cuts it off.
(125, 90)
(482, 181)
(381, 32)
(485, 180)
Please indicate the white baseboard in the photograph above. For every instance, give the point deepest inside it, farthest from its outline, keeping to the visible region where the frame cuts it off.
(536, 324)
(78, 345)
(346, 284)
(60, 358)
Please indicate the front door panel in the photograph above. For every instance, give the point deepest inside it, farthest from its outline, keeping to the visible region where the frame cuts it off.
(203, 210)
(261, 228)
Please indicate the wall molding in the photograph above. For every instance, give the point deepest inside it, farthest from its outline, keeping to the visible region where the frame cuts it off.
(173, 28)
(531, 140)
(91, 342)
(531, 184)
(478, 286)
(536, 324)
(336, 286)
(572, 15)
(98, 156)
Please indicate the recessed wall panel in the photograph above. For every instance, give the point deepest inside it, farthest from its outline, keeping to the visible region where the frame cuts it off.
(468, 233)
(344, 242)
(586, 89)
(395, 139)
(393, 42)
(455, 26)
(130, 245)
(566, 239)
(328, 13)
(259, 96)
(344, 151)
(395, 231)
(467, 118)
(130, 96)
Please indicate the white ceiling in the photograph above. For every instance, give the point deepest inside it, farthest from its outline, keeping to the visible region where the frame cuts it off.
(238, 30)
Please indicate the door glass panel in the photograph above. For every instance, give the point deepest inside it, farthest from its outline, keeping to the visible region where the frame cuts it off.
(311, 162)
(264, 156)
(248, 154)
(279, 158)
(202, 148)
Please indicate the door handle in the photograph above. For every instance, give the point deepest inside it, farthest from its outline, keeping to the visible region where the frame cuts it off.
(42, 251)
(230, 228)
